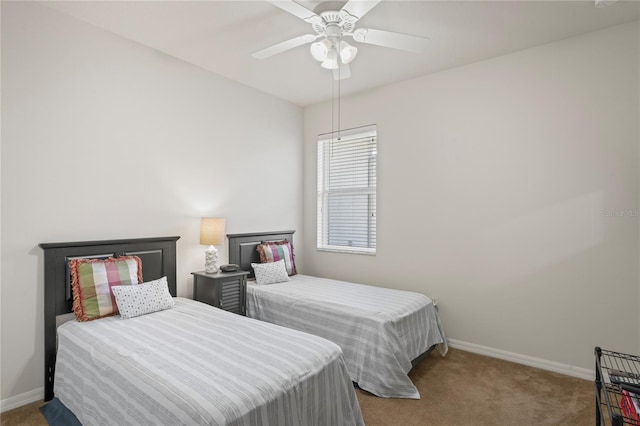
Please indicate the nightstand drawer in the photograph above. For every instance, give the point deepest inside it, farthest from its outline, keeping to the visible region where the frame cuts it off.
(224, 290)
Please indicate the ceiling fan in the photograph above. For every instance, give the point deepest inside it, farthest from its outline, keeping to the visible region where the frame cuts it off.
(332, 24)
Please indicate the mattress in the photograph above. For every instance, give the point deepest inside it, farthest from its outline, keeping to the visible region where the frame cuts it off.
(198, 365)
(380, 330)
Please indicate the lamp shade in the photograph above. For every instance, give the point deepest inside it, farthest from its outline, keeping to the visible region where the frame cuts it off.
(331, 62)
(211, 231)
(347, 52)
(320, 49)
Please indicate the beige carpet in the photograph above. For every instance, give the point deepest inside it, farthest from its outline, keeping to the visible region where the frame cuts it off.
(459, 389)
(468, 389)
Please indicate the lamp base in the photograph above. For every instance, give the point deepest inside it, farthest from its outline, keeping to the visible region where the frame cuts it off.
(211, 260)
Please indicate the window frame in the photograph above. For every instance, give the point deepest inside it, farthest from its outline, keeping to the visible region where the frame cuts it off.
(324, 192)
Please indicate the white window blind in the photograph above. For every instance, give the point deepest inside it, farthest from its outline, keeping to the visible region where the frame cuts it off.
(347, 191)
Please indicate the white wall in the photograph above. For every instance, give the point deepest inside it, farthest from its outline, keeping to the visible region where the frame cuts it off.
(499, 189)
(103, 138)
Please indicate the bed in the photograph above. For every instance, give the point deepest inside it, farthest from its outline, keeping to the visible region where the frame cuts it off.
(190, 364)
(383, 332)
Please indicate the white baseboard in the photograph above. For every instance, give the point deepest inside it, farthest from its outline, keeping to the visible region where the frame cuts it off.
(22, 399)
(556, 367)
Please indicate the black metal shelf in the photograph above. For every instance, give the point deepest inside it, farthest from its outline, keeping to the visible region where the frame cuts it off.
(616, 374)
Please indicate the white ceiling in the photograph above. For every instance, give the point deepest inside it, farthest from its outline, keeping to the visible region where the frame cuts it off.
(220, 35)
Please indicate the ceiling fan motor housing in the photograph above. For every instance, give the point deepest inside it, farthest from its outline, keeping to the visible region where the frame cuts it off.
(333, 18)
(333, 33)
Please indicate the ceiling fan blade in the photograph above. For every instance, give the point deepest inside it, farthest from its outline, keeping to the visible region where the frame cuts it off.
(284, 46)
(342, 73)
(359, 8)
(296, 9)
(390, 39)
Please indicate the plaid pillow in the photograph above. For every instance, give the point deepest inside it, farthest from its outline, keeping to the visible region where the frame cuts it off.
(91, 282)
(272, 251)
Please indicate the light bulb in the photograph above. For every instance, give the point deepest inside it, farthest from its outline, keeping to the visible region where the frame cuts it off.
(347, 52)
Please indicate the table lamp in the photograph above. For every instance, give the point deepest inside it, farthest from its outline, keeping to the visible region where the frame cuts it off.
(211, 234)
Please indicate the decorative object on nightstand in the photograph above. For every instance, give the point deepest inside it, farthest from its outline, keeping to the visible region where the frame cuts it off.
(211, 234)
(224, 290)
(232, 267)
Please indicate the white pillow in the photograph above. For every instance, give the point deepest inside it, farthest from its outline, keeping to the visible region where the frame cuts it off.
(141, 299)
(270, 273)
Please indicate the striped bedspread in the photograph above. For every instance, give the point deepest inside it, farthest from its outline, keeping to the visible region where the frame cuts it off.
(380, 330)
(199, 365)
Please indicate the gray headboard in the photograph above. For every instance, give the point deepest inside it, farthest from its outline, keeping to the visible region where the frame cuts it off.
(158, 257)
(242, 247)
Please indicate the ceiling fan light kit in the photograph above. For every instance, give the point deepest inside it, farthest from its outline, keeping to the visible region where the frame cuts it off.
(323, 51)
(333, 26)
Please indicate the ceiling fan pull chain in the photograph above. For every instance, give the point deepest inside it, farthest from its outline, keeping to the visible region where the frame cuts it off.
(339, 83)
(333, 99)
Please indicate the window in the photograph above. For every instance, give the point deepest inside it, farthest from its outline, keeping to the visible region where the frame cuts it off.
(347, 191)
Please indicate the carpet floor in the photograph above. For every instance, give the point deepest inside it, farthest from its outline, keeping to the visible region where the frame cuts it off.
(460, 389)
(469, 389)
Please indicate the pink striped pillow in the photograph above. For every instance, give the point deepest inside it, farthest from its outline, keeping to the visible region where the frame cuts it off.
(272, 251)
(91, 282)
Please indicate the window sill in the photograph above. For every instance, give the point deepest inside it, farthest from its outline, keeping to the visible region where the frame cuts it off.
(348, 250)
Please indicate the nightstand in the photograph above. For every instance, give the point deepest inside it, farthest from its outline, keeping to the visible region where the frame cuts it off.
(224, 290)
